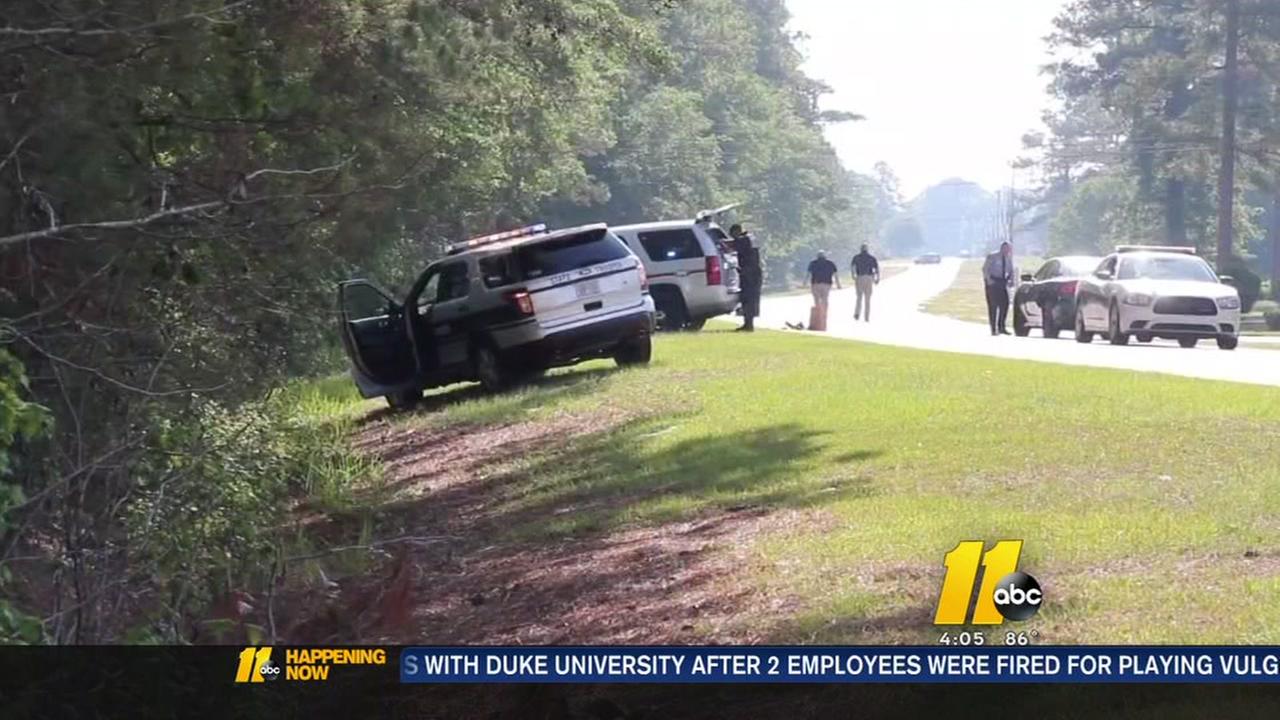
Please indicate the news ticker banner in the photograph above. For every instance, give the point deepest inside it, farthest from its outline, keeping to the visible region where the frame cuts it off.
(882, 664)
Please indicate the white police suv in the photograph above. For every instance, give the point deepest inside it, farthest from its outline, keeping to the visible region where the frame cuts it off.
(693, 273)
(499, 307)
(1148, 291)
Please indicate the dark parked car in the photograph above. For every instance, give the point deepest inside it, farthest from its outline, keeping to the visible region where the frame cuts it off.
(929, 259)
(1047, 300)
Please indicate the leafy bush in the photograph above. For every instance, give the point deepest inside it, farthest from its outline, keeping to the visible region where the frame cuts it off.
(1247, 282)
(19, 419)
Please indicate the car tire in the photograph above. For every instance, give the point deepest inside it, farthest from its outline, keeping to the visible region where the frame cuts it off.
(695, 325)
(1082, 336)
(493, 374)
(1228, 342)
(1144, 337)
(1188, 342)
(404, 400)
(1048, 324)
(1114, 335)
(1020, 327)
(636, 351)
(672, 314)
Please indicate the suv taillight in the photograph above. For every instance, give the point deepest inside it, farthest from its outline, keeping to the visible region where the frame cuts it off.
(523, 302)
(644, 276)
(714, 275)
(1067, 289)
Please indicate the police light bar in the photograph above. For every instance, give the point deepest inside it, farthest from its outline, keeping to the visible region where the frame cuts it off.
(498, 237)
(1156, 248)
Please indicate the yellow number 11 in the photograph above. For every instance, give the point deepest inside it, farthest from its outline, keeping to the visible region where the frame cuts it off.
(962, 571)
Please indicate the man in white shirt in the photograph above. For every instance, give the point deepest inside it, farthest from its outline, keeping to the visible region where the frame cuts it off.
(997, 275)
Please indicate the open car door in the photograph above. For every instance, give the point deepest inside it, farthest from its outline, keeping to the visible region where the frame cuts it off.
(376, 338)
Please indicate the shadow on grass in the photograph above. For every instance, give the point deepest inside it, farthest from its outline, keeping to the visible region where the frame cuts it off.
(521, 397)
(603, 480)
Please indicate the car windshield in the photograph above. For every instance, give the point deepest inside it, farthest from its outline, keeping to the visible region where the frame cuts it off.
(1166, 267)
(570, 253)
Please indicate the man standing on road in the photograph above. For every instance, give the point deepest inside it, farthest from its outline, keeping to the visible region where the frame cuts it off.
(866, 275)
(997, 274)
(821, 273)
(750, 276)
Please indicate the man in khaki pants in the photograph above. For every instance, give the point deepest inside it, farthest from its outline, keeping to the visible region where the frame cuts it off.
(822, 272)
(866, 275)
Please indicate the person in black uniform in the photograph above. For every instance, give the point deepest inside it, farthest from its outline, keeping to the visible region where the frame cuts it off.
(750, 276)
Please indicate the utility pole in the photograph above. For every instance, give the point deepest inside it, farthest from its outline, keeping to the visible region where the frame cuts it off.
(1230, 104)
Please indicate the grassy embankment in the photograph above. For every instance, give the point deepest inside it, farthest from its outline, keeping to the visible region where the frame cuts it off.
(1148, 504)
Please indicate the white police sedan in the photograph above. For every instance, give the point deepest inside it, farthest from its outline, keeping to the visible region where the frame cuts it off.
(1152, 292)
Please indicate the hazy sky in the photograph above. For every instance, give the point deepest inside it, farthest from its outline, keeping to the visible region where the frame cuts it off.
(948, 86)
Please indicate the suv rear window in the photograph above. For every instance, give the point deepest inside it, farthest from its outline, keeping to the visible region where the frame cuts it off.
(670, 244)
(570, 253)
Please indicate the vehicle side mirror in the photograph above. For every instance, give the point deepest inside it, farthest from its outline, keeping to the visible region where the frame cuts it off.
(1226, 279)
(1026, 277)
(1103, 275)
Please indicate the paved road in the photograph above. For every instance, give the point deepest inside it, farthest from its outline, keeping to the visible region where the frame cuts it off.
(898, 320)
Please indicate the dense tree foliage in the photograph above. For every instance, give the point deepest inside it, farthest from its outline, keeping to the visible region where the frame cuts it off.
(181, 183)
(1137, 150)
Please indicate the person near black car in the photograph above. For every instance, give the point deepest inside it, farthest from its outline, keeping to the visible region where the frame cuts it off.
(750, 275)
(997, 275)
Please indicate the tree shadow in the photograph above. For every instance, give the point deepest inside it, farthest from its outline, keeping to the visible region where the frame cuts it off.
(570, 383)
(591, 534)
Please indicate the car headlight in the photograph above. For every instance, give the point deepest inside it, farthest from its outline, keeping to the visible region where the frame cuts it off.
(1138, 299)
(1230, 302)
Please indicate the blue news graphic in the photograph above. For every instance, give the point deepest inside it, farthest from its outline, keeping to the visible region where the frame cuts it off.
(1045, 664)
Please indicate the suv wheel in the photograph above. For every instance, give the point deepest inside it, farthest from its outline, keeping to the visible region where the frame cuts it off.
(695, 325)
(672, 314)
(404, 400)
(1082, 335)
(1188, 342)
(636, 351)
(1228, 342)
(490, 371)
(1113, 328)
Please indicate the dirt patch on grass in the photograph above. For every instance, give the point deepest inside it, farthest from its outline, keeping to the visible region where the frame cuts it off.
(467, 580)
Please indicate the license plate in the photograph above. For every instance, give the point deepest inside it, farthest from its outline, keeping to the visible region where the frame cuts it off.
(587, 288)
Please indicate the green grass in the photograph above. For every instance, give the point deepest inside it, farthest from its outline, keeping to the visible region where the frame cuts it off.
(966, 298)
(1149, 505)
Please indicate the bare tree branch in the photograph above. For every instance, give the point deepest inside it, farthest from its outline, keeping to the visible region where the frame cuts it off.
(208, 15)
(13, 152)
(174, 212)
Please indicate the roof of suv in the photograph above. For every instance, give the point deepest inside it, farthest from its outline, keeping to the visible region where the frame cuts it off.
(660, 225)
(530, 239)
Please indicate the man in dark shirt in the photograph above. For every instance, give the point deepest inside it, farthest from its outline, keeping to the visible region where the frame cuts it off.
(997, 277)
(866, 275)
(821, 274)
(750, 276)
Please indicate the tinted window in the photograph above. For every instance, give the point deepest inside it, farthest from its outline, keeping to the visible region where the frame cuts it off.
(1166, 267)
(498, 270)
(570, 253)
(1048, 270)
(454, 282)
(364, 301)
(670, 244)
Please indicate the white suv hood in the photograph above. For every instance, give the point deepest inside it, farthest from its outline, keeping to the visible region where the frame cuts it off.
(1178, 288)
